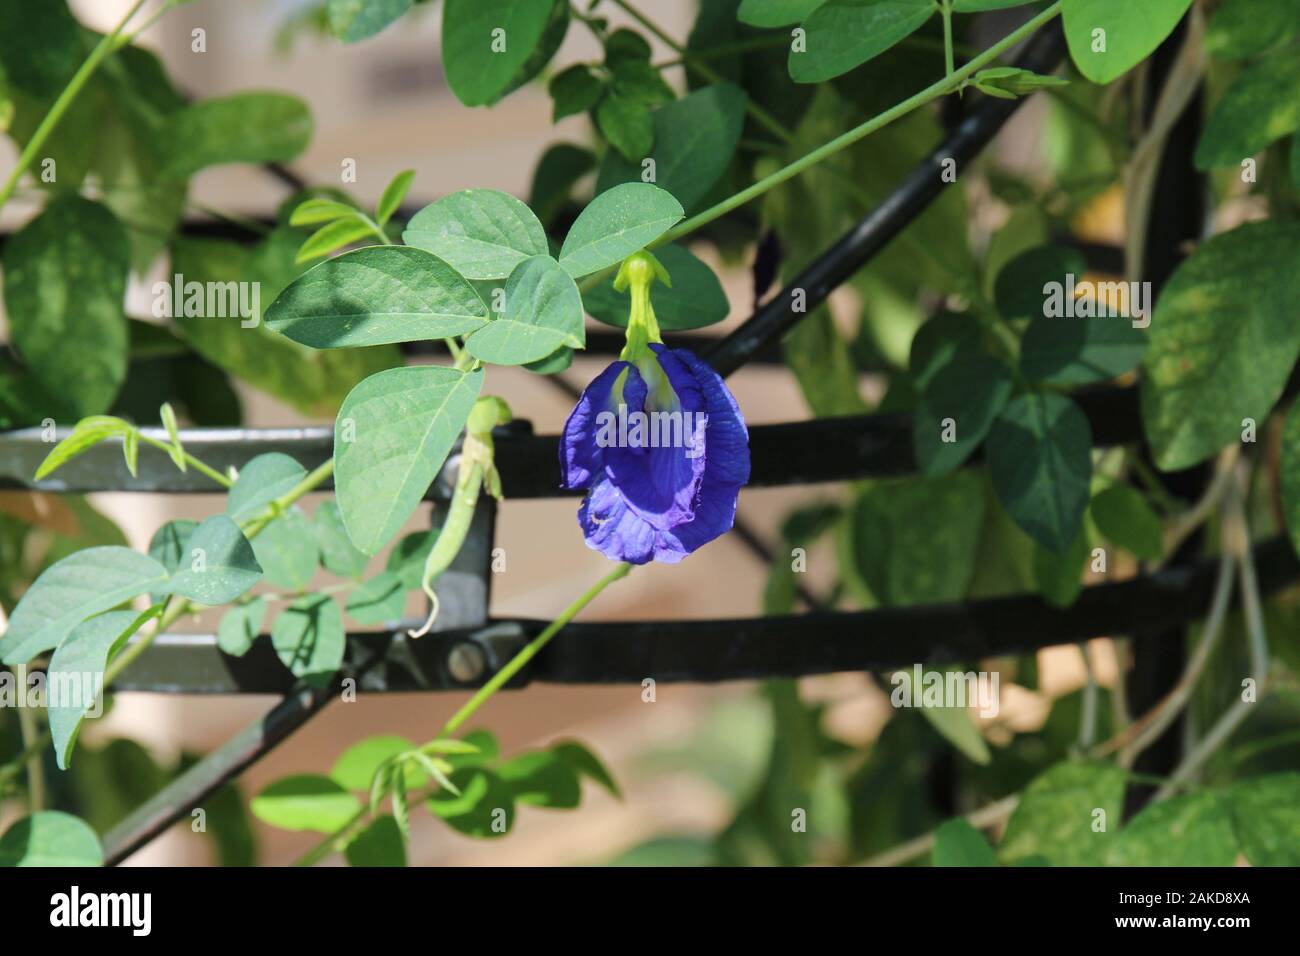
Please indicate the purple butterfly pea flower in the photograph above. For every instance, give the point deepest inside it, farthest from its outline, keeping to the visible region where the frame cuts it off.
(665, 481)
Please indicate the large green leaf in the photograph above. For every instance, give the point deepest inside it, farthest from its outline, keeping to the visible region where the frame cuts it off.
(1260, 107)
(481, 233)
(380, 599)
(616, 224)
(914, 540)
(1266, 817)
(261, 481)
(391, 438)
(240, 626)
(308, 636)
(218, 564)
(305, 802)
(50, 838)
(377, 296)
(485, 806)
(1057, 815)
(842, 34)
(1191, 830)
(355, 20)
(1019, 289)
(356, 767)
(694, 141)
(65, 285)
(542, 778)
(1040, 458)
(74, 679)
(81, 585)
(1223, 341)
(486, 43)
(543, 313)
(243, 128)
(1108, 38)
(694, 300)
(170, 545)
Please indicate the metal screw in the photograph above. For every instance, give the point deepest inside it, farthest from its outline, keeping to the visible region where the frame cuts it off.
(466, 662)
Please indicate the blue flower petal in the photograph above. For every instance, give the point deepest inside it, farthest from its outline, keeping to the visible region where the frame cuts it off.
(581, 458)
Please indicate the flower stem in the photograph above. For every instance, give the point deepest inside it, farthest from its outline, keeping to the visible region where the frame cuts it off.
(102, 50)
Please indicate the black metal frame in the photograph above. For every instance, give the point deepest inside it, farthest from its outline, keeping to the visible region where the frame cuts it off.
(801, 453)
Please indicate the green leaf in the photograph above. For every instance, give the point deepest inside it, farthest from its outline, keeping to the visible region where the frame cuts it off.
(75, 677)
(86, 434)
(481, 233)
(41, 45)
(338, 554)
(240, 626)
(379, 844)
(1078, 351)
(218, 564)
(50, 838)
(979, 6)
(626, 121)
(287, 552)
(243, 128)
(775, 13)
(1222, 342)
(1040, 458)
(1190, 830)
(574, 90)
(1020, 289)
(1266, 817)
(376, 296)
(1124, 518)
(309, 639)
(1057, 815)
(317, 210)
(960, 401)
(1059, 575)
(617, 223)
(406, 559)
(1130, 33)
(954, 724)
(1261, 107)
(333, 237)
(484, 808)
(585, 764)
(355, 20)
(305, 802)
(842, 34)
(542, 778)
(914, 540)
(1241, 28)
(694, 300)
(393, 195)
(81, 585)
(260, 482)
(486, 43)
(957, 843)
(64, 291)
(169, 546)
(543, 313)
(694, 141)
(356, 767)
(391, 438)
(380, 599)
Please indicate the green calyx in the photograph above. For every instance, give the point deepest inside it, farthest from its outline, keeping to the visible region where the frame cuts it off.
(637, 273)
